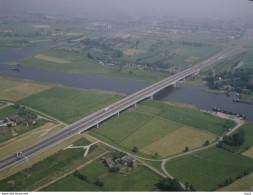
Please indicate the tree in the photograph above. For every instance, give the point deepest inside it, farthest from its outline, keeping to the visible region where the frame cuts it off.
(89, 56)
(135, 149)
(168, 184)
(9, 125)
(99, 183)
(156, 154)
(206, 143)
(186, 149)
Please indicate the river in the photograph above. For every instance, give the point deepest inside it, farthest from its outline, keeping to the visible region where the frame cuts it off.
(77, 80)
(190, 95)
(197, 96)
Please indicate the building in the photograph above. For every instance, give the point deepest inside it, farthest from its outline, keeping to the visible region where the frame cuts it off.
(127, 160)
(108, 161)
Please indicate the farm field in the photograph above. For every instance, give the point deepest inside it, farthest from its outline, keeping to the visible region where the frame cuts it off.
(69, 104)
(51, 168)
(187, 116)
(51, 59)
(209, 168)
(132, 52)
(27, 139)
(176, 142)
(16, 89)
(243, 184)
(139, 179)
(150, 133)
(2, 104)
(80, 63)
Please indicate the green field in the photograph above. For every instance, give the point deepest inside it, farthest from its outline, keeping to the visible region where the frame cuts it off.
(152, 131)
(50, 168)
(79, 63)
(139, 179)
(13, 89)
(207, 169)
(69, 104)
(150, 128)
(187, 116)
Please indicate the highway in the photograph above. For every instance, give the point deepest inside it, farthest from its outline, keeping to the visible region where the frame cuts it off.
(103, 114)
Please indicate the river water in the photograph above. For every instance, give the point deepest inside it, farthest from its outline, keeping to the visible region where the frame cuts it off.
(77, 80)
(197, 96)
(190, 95)
(21, 54)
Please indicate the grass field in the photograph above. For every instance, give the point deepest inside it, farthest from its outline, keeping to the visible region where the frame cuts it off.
(49, 169)
(2, 104)
(176, 142)
(132, 52)
(81, 64)
(139, 179)
(249, 152)
(16, 89)
(207, 169)
(118, 129)
(187, 116)
(240, 185)
(152, 131)
(149, 133)
(27, 139)
(51, 59)
(68, 104)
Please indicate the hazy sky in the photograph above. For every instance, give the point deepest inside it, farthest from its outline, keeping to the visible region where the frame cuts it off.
(219, 8)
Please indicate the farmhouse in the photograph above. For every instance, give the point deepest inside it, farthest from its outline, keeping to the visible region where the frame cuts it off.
(16, 118)
(108, 161)
(127, 160)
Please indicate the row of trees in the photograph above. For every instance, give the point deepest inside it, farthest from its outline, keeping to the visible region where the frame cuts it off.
(236, 139)
(173, 185)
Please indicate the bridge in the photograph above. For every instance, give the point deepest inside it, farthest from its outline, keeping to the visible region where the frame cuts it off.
(114, 109)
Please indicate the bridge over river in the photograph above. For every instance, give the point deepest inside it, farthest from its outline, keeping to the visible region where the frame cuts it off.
(114, 109)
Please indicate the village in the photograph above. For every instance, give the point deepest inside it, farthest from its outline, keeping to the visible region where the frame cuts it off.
(23, 117)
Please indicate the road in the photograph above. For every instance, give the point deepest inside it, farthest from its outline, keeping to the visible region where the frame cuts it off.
(103, 114)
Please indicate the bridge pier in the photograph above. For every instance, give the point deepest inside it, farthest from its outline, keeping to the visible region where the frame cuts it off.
(118, 114)
(152, 97)
(135, 105)
(97, 125)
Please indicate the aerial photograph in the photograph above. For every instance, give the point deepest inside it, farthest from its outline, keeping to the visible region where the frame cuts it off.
(126, 96)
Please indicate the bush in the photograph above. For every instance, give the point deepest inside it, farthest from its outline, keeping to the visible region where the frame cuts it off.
(80, 176)
(99, 183)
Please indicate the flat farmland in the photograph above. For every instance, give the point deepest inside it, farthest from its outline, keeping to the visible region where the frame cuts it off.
(189, 117)
(16, 89)
(209, 168)
(176, 142)
(23, 141)
(51, 59)
(152, 131)
(50, 168)
(69, 104)
(119, 128)
(139, 179)
(249, 152)
(132, 52)
(240, 185)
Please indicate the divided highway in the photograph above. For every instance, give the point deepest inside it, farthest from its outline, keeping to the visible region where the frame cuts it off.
(101, 115)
